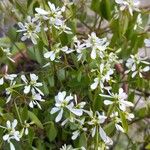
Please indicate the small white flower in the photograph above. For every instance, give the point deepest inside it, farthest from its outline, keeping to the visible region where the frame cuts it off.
(9, 90)
(147, 42)
(61, 26)
(61, 101)
(117, 120)
(30, 29)
(36, 98)
(134, 65)
(105, 73)
(79, 48)
(10, 77)
(76, 108)
(66, 147)
(7, 53)
(32, 84)
(67, 50)
(97, 45)
(53, 15)
(131, 5)
(52, 55)
(138, 22)
(80, 129)
(119, 98)
(96, 120)
(12, 133)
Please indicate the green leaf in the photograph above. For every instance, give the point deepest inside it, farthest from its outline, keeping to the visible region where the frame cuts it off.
(105, 8)
(124, 21)
(83, 140)
(51, 131)
(44, 37)
(51, 81)
(5, 42)
(123, 121)
(61, 74)
(95, 6)
(110, 128)
(34, 118)
(45, 88)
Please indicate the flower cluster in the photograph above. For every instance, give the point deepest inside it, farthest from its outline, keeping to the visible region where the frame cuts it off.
(131, 5)
(137, 65)
(12, 133)
(47, 18)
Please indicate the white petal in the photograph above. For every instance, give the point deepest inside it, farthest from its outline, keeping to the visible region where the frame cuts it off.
(41, 11)
(31, 104)
(102, 134)
(119, 128)
(5, 137)
(14, 123)
(77, 112)
(59, 116)
(27, 89)
(61, 95)
(11, 146)
(33, 77)
(2, 81)
(108, 102)
(93, 131)
(54, 110)
(95, 84)
(8, 124)
(134, 74)
(93, 53)
(147, 68)
(75, 135)
(26, 131)
(24, 79)
(127, 103)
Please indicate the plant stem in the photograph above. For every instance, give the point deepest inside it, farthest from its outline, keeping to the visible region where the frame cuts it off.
(97, 139)
(18, 112)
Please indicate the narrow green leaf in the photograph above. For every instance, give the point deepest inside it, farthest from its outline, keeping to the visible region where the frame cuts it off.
(123, 121)
(34, 118)
(51, 131)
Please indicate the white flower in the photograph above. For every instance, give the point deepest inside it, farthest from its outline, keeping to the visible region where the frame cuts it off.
(61, 102)
(76, 108)
(36, 98)
(25, 129)
(53, 15)
(9, 90)
(95, 122)
(79, 48)
(63, 28)
(12, 133)
(66, 147)
(32, 84)
(105, 73)
(30, 29)
(118, 98)
(52, 55)
(134, 65)
(7, 53)
(10, 77)
(117, 120)
(138, 22)
(97, 45)
(147, 42)
(80, 129)
(67, 50)
(131, 5)
(52, 12)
